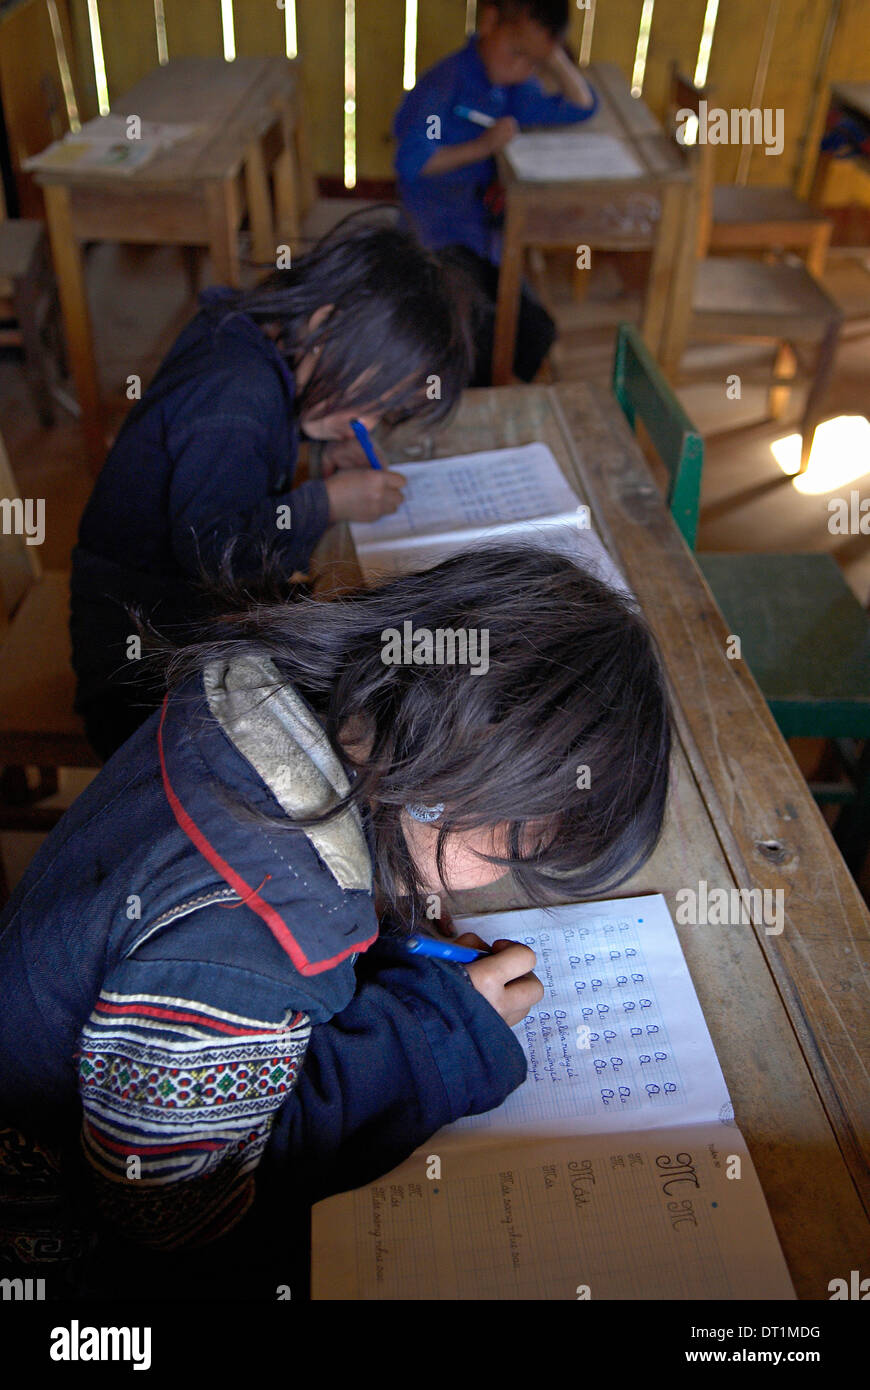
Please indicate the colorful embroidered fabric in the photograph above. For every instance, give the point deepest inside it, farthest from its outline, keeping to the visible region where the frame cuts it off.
(178, 1099)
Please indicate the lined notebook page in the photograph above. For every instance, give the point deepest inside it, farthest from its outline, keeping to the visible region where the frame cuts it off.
(607, 1217)
(571, 154)
(611, 1169)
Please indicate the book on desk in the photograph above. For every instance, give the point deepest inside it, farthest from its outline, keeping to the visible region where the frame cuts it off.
(615, 1171)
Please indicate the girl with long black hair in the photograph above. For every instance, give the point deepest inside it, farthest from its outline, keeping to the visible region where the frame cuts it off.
(368, 325)
(204, 993)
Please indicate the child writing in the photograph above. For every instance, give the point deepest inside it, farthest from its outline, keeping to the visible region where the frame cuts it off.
(194, 996)
(360, 328)
(445, 156)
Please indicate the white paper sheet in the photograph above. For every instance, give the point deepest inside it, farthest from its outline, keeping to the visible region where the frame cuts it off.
(470, 499)
(571, 154)
(471, 491)
(611, 1169)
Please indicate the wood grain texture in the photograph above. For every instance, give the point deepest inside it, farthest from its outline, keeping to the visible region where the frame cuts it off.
(771, 831)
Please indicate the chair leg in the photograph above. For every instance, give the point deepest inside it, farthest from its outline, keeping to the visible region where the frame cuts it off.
(821, 377)
(27, 314)
(818, 249)
(784, 369)
(852, 827)
(191, 257)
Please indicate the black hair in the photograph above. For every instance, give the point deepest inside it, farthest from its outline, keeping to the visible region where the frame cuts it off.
(568, 728)
(398, 335)
(552, 15)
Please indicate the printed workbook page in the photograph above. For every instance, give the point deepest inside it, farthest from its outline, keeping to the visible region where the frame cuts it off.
(472, 499)
(618, 1041)
(617, 1163)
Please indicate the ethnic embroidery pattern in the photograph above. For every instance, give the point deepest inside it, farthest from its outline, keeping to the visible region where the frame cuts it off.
(175, 1090)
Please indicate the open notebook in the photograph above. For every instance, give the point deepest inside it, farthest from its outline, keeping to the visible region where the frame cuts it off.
(471, 499)
(555, 155)
(615, 1171)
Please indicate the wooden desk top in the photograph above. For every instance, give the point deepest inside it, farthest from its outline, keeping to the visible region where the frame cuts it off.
(231, 101)
(790, 1014)
(628, 118)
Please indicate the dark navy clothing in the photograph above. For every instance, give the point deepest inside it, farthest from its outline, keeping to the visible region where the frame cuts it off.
(449, 209)
(207, 455)
(186, 985)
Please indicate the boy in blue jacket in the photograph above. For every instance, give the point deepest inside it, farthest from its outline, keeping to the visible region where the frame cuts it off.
(445, 158)
(203, 1028)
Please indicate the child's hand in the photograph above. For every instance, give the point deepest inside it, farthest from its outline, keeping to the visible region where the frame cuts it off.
(342, 453)
(499, 135)
(357, 494)
(504, 978)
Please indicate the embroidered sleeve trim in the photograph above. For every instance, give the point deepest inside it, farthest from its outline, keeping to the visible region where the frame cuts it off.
(178, 1100)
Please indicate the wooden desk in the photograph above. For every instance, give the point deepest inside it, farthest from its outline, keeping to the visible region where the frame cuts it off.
(192, 195)
(625, 214)
(789, 1015)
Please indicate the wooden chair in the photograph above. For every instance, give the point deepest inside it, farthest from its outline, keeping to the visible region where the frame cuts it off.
(751, 301)
(740, 218)
(38, 727)
(281, 186)
(28, 302)
(642, 391)
(803, 634)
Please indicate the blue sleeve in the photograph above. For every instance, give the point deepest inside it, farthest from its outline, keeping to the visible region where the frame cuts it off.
(430, 97)
(222, 483)
(182, 1065)
(531, 105)
(417, 1048)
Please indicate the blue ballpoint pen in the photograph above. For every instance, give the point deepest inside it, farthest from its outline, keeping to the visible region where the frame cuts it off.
(477, 117)
(362, 435)
(443, 950)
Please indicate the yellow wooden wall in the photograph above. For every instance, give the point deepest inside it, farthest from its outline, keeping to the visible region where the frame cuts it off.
(193, 27)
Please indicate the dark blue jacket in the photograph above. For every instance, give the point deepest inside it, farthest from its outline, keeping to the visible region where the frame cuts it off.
(449, 209)
(190, 993)
(207, 455)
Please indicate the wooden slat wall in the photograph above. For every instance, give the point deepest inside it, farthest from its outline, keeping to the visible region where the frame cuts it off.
(193, 26)
(32, 120)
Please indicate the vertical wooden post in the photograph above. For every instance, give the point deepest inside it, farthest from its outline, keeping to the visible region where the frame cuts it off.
(223, 221)
(69, 272)
(509, 285)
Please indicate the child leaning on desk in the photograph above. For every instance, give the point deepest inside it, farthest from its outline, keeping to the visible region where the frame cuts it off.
(359, 328)
(450, 127)
(197, 1005)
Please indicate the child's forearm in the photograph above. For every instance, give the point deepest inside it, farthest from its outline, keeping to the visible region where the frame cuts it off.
(451, 157)
(572, 83)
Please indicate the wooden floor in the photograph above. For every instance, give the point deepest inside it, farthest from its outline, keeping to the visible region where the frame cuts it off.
(140, 298)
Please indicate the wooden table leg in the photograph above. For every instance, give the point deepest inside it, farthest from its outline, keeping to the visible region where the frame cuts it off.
(820, 177)
(259, 203)
(818, 249)
(821, 377)
(307, 181)
(223, 224)
(508, 302)
(72, 290)
(289, 194)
